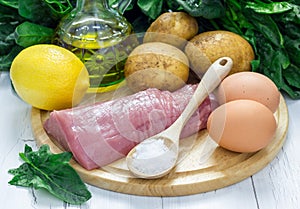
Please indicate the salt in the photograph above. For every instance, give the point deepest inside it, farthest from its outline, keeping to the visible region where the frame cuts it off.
(153, 157)
(150, 148)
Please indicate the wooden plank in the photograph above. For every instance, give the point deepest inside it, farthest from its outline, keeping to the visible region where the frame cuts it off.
(236, 196)
(279, 182)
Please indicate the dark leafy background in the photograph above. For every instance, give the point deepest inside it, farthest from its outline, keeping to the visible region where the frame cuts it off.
(27, 22)
(272, 27)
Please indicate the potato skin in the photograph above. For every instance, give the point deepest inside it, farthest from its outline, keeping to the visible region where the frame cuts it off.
(156, 65)
(173, 28)
(205, 48)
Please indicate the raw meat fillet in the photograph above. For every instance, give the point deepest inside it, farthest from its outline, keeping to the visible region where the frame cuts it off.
(101, 133)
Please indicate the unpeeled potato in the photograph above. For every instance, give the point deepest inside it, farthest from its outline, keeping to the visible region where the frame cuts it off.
(173, 28)
(156, 65)
(205, 48)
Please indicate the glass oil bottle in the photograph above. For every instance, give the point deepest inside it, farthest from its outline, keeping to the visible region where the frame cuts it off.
(101, 37)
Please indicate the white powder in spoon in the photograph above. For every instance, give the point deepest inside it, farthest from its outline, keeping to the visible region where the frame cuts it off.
(153, 157)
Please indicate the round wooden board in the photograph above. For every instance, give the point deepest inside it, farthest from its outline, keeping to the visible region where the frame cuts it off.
(191, 176)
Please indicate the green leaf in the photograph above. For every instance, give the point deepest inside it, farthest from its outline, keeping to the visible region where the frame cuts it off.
(24, 176)
(269, 8)
(28, 34)
(208, 9)
(292, 75)
(43, 169)
(293, 48)
(152, 8)
(9, 15)
(6, 60)
(290, 30)
(37, 11)
(173, 6)
(10, 3)
(140, 24)
(6, 41)
(292, 16)
(255, 64)
(273, 64)
(265, 24)
(59, 8)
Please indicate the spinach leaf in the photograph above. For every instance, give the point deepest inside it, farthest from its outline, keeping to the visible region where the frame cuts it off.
(42, 169)
(28, 34)
(9, 19)
(208, 9)
(274, 62)
(293, 48)
(267, 26)
(59, 8)
(37, 12)
(292, 75)
(140, 24)
(6, 42)
(10, 3)
(292, 16)
(289, 22)
(6, 60)
(45, 12)
(9, 14)
(269, 8)
(152, 8)
(173, 6)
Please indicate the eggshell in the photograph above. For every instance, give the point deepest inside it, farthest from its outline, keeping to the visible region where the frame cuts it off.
(242, 126)
(249, 85)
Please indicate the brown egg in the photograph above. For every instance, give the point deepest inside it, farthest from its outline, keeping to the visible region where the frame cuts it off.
(249, 85)
(242, 126)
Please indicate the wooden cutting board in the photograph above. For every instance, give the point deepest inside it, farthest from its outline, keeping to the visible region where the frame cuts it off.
(191, 175)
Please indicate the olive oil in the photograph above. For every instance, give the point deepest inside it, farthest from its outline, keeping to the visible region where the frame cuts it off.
(102, 38)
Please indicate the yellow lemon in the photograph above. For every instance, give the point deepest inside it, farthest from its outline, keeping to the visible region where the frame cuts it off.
(49, 77)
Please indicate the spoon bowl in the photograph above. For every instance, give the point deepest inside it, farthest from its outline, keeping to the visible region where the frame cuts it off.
(157, 155)
(159, 164)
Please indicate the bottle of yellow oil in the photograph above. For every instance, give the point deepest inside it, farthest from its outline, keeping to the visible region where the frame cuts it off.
(101, 37)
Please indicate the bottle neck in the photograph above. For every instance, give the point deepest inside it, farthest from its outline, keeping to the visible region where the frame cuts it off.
(91, 6)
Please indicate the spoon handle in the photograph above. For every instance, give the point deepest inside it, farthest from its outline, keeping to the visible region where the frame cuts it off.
(211, 79)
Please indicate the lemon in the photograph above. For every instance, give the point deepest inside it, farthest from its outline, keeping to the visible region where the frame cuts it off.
(49, 77)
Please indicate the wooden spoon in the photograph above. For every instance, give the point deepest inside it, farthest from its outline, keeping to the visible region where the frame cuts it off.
(163, 148)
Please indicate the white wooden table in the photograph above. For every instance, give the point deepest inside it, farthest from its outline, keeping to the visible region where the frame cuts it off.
(277, 186)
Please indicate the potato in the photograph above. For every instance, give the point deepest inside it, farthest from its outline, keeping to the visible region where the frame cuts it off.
(173, 28)
(205, 48)
(156, 65)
